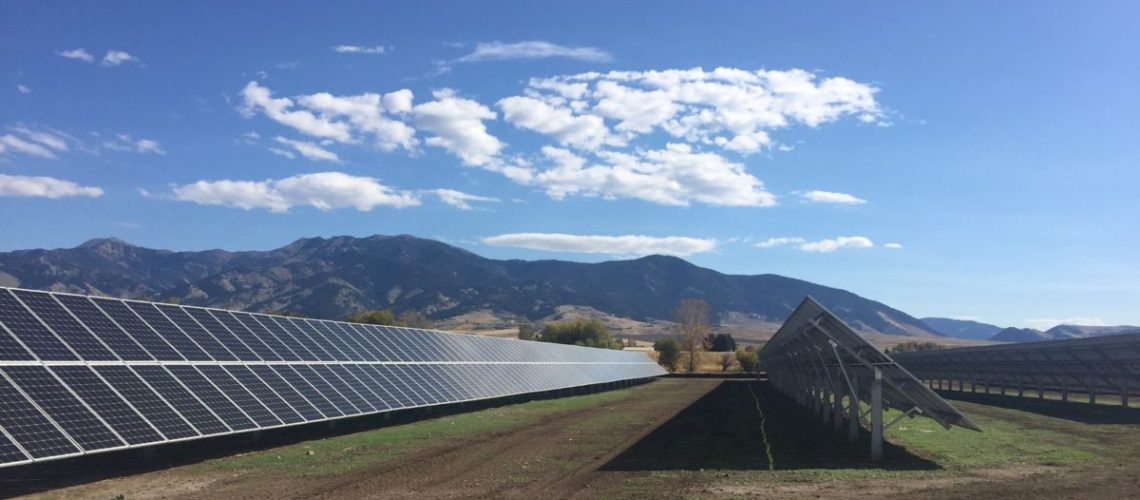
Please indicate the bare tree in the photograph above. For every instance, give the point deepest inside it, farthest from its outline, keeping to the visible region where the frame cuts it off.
(692, 317)
(726, 360)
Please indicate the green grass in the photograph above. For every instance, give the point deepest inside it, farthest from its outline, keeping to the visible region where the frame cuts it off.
(342, 454)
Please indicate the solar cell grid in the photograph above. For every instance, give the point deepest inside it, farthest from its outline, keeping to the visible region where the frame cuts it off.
(265, 394)
(146, 401)
(168, 331)
(213, 398)
(296, 400)
(71, 414)
(9, 452)
(30, 331)
(86, 345)
(204, 339)
(291, 329)
(347, 387)
(10, 349)
(141, 332)
(232, 343)
(322, 401)
(180, 397)
(283, 346)
(27, 425)
(326, 388)
(113, 409)
(231, 324)
(242, 397)
(320, 338)
(114, 337)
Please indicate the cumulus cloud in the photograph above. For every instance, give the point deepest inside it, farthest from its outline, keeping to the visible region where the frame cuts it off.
(832, 197)
(1047, 323)
(675, 175)
(535, 49)
(116, 57)
(778, 242)
(44, 187)
(357, 49)
(559, 122)
(79, 54)
(611, 245)
(459, 199)
(338, 118)
(842, 242)
(730, 108)
(893, 246)
(325, 191)
(457, 125)
(309, 150)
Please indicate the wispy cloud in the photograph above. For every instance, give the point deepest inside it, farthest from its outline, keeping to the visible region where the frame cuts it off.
(126, 143)
(357, 49)
(324, 191)
(534, 49)
(309, 150)
(1047, 323)
(461, 200)
(893, 246)
(611, 245)
(111, 59)
(24, 89)
(821, 246)
(79, 54)
(832, 197)
(44, 187)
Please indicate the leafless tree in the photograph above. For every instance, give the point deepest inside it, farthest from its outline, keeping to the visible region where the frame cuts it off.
(692, 318)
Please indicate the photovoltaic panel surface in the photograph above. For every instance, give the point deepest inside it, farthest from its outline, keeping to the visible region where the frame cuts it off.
(85, 374)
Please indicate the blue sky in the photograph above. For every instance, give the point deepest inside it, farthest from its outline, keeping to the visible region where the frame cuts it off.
(973, 159)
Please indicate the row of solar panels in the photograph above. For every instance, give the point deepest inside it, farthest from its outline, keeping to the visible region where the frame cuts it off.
(86, 374)
(63, 327)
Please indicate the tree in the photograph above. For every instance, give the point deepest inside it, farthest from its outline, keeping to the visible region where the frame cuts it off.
(668, 353)
(748, 359)
(916, 346)
(720, 342)
(288, 314)
(692, 317)
(414, 319)
(726, 360)
(526, 331)
(583, 332)
(384, 317)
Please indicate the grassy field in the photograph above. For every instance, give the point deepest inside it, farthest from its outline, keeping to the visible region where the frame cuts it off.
(671, 438)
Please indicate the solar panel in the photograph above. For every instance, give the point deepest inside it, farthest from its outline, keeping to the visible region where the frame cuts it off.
(85, 374)
(819, 360)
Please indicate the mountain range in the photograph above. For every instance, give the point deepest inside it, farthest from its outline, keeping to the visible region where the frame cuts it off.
(335, 277)
(982, 331)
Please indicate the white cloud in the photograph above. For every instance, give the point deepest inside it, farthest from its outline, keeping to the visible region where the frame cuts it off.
(282, 152)
(580, 131)
(675, 175)
(499, 51)
(458, 127)
(258, 98)
(44, 187)
(1047, 323)
(832, 197)
(117, 57)
(831, 245)
(611, 245)
(10, 143)
(731, 108)
(324, 191)
(126, 143)
(778, 242)
(24, 89)
(308, 150)
(459, 199)
(79, 54)
(357, 49)
(326, 116)
(893, 246)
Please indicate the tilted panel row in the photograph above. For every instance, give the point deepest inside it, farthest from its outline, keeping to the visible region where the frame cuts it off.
(1105, 365)
(86, 374)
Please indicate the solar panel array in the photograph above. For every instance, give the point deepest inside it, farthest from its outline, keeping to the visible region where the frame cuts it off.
(819, 360)
(1099, 365)
(82, 374)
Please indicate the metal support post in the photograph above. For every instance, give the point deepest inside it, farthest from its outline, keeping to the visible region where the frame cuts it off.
(1092, 397)
(877, 417)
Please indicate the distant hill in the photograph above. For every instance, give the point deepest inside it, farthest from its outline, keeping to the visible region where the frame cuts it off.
(1012, 334)
(963, 329)
(334, 277)
(1082, 331)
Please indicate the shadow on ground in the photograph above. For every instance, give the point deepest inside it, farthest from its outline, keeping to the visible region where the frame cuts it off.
(50, 475)
(722, 431)
(1077, 412)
